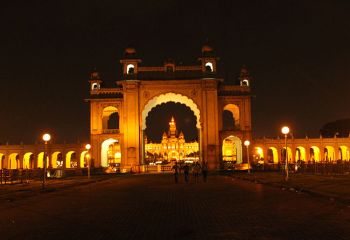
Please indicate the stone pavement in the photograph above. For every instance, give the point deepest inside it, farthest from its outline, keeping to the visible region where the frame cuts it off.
(34, 187)
(153, 207)
(335, 187)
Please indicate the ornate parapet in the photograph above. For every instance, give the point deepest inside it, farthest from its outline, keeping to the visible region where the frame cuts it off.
(233, 90)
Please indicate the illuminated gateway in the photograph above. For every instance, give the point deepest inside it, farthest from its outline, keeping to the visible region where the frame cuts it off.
(118, 114)
(173, 147)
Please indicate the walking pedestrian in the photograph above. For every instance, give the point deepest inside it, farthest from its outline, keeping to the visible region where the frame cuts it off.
(196, 170)
(186, 172)
(205, 171)
(176, 172)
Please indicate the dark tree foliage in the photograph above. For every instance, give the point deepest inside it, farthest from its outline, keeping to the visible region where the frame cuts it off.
(340, 127)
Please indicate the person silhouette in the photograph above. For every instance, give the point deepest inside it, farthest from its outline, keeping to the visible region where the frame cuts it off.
(186, 172)
(176, 172)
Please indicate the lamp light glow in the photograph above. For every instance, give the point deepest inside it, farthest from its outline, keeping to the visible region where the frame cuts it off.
(46, 137)
(285, 130)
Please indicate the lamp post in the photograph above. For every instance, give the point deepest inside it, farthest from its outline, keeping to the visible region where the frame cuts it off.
(46, 138)
(285, 131)
(247, 143)
(87, 147)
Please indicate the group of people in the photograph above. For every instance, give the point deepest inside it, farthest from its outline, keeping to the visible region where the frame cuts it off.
(196, 169)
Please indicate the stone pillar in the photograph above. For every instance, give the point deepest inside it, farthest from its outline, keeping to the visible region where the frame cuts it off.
(307, 154)
(209, 112)
(50, 158)
(20, 160)
(265, 148)
(131, 124)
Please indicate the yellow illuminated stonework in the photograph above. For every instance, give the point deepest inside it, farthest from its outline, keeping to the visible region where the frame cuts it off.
(118, 114)
(173, 147)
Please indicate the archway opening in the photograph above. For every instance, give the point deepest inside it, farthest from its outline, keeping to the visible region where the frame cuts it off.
(83, 159)
(259, 155)
(232, 149)
(329, 154)
(174, 99)
(315, 154)
(300, 154)
(71, 160)
(272, 155)
(28, 162)
(13, 161)
(171, 134)
(56, 159)
(343, 153)
(111, 153)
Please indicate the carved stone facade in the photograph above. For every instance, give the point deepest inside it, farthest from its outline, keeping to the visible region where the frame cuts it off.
(144, 87)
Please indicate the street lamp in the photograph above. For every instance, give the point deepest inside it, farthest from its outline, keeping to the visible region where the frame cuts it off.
(247, 143)
(87, 147)
(46, 138)
(285, 131)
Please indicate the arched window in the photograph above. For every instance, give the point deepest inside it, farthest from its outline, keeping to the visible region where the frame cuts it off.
(130, 69)
(170, 69)
(95, 86)
(110, 118)
(209, 67)
(113, 121)
(231, 117)
(245, 82)
(228, 121)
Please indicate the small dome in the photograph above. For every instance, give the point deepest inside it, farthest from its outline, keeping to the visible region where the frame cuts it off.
(206, 48)
(130, 50)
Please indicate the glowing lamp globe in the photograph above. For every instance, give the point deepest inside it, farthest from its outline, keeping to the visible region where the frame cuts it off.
(246, 143)
(285, 130)
(87, 146)
(46, 137)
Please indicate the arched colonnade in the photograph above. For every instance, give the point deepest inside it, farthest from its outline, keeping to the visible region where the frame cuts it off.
(308, 150)
(32, 156)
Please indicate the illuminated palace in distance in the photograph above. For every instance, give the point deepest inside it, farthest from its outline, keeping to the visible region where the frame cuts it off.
(173, 147)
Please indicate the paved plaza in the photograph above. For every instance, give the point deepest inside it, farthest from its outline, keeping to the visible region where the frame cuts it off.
(154, 207)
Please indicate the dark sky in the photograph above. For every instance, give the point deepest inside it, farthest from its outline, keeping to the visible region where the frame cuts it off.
(297, 51)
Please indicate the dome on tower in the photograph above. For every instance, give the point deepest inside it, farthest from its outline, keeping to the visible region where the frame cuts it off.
(130, 50)
(130, 53)
(207, 51)
(206, 48)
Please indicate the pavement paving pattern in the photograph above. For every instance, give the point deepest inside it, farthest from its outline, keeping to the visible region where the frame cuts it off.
(154, 207)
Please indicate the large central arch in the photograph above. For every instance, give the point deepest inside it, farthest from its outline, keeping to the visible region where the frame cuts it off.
(170, 97)
(165, 98)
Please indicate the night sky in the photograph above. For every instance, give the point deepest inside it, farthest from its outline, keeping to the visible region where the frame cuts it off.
(297, 51)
